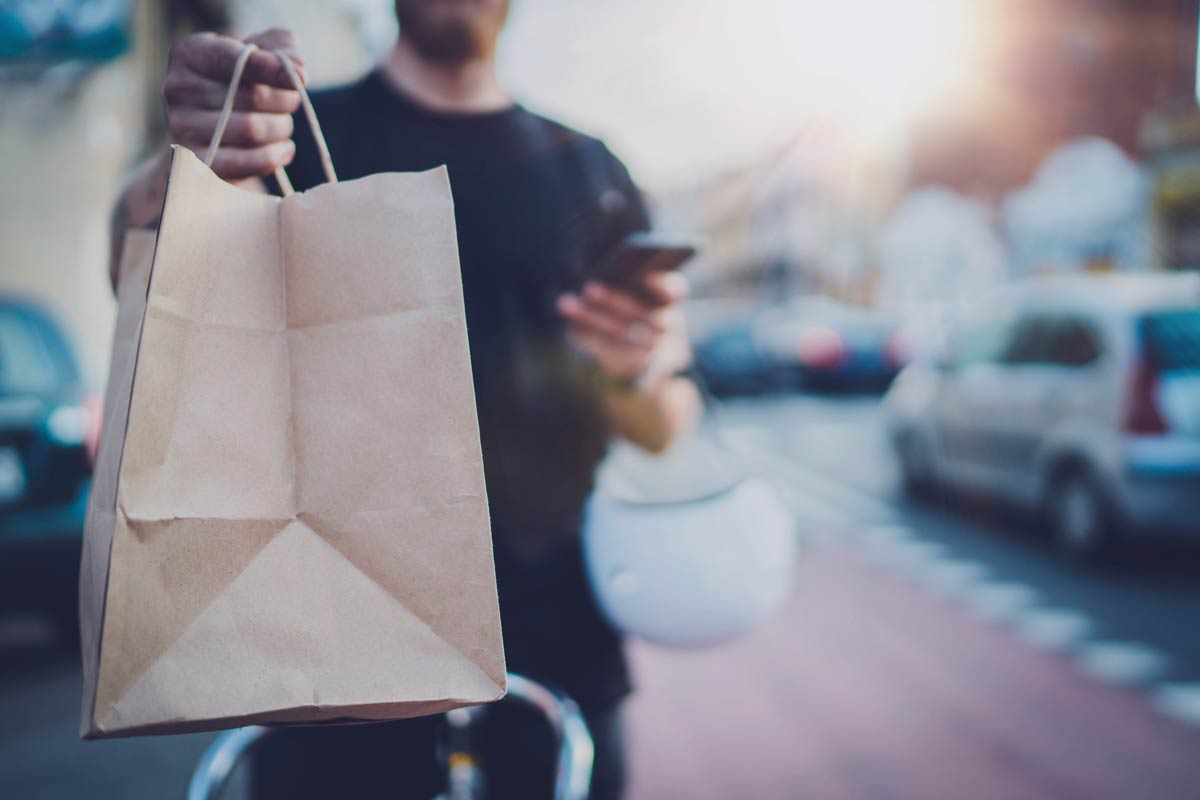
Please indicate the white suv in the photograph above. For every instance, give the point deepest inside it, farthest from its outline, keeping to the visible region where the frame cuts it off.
(1076, 396)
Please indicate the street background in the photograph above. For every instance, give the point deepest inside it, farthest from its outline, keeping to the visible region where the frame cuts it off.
(923, 654)
(864, 174)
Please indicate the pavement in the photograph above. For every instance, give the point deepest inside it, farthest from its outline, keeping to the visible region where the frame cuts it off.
(929, 651)
(869, 686)
(935, 650)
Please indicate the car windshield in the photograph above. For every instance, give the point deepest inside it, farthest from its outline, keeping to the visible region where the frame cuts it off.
(27, 365)
(979, 341)
(1174, 339)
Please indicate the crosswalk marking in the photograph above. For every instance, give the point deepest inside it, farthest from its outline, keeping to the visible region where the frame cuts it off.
(1123, 663)
(831, 509)
(1180, 701)
(1001, 602)
(1054, 629)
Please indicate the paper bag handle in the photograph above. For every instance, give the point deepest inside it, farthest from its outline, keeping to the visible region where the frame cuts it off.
(239, 66)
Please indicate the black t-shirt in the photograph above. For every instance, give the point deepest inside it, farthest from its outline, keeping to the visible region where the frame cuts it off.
(536, 206)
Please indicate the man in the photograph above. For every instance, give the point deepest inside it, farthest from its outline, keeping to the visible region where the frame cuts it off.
(560, 364)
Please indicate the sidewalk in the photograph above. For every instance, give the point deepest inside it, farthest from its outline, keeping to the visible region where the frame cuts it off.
(867, 687)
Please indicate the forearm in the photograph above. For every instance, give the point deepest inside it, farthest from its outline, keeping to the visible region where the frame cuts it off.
(654, 417)
(138, 206)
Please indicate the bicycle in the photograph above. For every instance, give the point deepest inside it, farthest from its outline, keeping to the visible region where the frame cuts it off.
(464, 776)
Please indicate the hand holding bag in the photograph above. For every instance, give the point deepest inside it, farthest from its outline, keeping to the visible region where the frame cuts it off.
(288, 522)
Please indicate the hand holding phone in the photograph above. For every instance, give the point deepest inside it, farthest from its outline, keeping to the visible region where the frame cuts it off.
(626, 315)
(639, 255)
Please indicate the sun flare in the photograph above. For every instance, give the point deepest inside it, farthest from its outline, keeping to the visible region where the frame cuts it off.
(885, 62)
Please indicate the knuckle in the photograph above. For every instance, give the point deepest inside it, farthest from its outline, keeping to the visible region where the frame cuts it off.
(181, 126)
(186, 49)
(260, 95)
(231, 163)
(287, 151)
(282, 37)
(177, 52)
(172, 89)
(255, 129)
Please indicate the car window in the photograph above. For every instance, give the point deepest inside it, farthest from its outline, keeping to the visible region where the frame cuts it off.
(1030, 341)
(27, 364)
(1173, 338)
(1074, 343)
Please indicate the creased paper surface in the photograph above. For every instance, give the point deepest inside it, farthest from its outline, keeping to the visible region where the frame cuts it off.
(299, 529)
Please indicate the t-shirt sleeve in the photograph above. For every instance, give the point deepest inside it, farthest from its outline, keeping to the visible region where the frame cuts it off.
(615, 206)
(635, 216)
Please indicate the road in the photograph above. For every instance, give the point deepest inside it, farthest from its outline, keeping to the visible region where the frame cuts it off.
(927, 653)
(930, 651)
(831, 457)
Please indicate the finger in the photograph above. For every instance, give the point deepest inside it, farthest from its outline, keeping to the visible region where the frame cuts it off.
(634, 316)
(187, 90)
(581, 313)
(608, 351)
(620, 304)
(599, 344)
(279, 39)
(245, 129)
(617, 345)
(214, 56)
(665, 288)
(236, 163)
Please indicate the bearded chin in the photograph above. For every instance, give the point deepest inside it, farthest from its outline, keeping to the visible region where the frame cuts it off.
(450, 44)
(449, 41)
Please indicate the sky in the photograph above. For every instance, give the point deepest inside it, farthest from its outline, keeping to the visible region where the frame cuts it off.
(684, 88)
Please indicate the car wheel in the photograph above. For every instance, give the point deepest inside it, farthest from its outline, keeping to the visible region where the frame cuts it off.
(1081, 519)
(916, 466)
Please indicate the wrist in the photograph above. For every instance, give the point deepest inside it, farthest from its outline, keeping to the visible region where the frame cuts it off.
(143, 198)
(648, 381)
(620, 384)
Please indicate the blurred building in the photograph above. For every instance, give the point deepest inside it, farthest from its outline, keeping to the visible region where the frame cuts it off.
(1053, 71)
(72, 89)
(1042, 162)
(1052, 147)
(806, 218)
(1170, 140)
(79, 85)
(1085, 208)
(938, 251)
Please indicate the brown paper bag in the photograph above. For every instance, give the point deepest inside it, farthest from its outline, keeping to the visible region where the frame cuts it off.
(288, 521)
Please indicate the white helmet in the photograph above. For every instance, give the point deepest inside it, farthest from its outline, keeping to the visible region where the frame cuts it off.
(692, 573)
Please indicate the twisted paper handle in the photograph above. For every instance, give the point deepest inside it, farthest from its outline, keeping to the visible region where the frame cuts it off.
(239, 67)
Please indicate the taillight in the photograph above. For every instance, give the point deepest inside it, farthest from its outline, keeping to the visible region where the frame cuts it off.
(1142, 415)
(821, 347)
(74, 425)
(898, 349)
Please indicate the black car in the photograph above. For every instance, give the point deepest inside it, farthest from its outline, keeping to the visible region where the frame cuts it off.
(48, 430)
(828, 346)
(731, 363)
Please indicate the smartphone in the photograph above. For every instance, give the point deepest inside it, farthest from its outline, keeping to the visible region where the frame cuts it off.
(641, 254)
